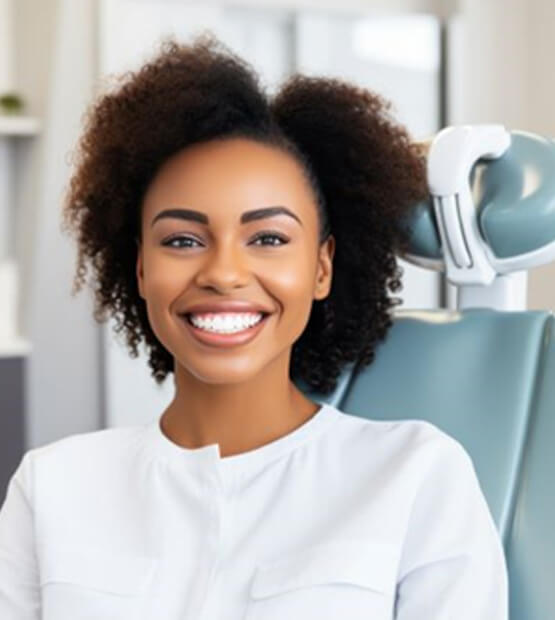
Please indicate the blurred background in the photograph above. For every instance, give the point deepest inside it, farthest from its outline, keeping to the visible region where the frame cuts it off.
(439, 62)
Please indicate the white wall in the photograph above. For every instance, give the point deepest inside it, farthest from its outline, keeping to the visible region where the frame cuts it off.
(540, 89)
(7, 61)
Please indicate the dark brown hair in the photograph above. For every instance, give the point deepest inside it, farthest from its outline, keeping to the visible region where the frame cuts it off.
(365, 171)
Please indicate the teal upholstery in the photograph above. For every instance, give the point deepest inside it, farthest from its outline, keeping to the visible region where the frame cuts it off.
(484, 376)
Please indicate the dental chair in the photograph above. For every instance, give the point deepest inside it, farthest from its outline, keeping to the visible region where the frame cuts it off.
(485, 372)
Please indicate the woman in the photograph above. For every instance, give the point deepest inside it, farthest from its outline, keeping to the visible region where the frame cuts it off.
(249, 242)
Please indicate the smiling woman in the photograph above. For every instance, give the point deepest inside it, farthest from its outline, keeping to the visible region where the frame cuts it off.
(330, 143)
(249, 242)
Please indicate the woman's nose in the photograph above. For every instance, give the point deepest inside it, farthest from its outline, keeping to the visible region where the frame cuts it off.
(223, 267)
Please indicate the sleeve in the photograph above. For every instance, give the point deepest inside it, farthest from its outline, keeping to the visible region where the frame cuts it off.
(452, 564)
(19, 582)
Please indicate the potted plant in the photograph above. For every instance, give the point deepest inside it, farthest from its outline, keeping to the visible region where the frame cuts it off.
(11, 103)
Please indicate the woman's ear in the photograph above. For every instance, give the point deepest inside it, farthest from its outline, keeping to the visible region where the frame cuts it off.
(325, 268)
(425, 144)
(139, 268)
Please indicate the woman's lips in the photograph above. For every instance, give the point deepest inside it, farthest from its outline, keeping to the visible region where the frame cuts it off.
(224, 340)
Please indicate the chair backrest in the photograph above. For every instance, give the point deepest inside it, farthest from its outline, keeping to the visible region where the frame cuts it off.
(485, 375)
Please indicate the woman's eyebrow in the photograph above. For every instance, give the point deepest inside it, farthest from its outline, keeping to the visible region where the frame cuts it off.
(247, 216)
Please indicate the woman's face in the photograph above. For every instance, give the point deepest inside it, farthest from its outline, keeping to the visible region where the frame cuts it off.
(183, 261)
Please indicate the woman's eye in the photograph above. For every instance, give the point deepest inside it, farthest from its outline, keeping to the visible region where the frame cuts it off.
(281, 239)
(169, 242)
(273, 236)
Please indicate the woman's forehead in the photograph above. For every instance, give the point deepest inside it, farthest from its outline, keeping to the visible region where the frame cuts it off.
(237, 174)
(235, 160)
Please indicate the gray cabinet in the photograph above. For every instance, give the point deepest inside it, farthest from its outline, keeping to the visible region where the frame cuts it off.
(12, 415)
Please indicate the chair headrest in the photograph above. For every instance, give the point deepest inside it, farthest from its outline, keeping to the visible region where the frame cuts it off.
(514, 197)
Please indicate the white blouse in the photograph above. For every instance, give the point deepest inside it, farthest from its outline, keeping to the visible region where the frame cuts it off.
(343, 517)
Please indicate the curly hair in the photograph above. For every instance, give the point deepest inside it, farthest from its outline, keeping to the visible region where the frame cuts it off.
(365, 172)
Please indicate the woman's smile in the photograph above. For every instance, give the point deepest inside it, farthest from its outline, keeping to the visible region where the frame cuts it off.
(207, 336)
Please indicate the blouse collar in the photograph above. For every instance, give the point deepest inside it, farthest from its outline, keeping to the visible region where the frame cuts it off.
(161, 446)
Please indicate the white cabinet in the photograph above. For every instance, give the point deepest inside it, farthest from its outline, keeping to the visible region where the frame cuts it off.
(13, 129)
(14, 349)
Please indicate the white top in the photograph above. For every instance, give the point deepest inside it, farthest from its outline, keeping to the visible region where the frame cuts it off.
(343, 517)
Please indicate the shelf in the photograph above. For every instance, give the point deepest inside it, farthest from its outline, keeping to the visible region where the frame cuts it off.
(18, 125)
(14, 348)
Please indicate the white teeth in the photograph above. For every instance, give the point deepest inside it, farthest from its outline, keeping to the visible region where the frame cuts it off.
(226, 323)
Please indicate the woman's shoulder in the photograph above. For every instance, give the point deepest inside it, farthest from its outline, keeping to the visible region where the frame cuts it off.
(78, 453)
(411, 439)
(415, 430)
(100, 439)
